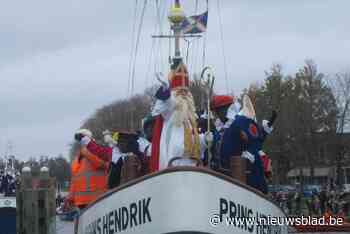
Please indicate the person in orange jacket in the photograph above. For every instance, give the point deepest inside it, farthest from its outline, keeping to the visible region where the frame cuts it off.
(89, 171)
(327, 215)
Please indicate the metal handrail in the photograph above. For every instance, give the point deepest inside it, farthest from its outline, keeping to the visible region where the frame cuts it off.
(199, 162)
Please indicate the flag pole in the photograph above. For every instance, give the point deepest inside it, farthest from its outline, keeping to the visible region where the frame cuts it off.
(176, 17)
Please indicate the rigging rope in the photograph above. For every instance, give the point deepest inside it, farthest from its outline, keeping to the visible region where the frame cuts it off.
(133, 59)
(205, 42)
(159, 22)
(197, 60)
(152, 56)
(188, 42)
(204, 49)
(132, 47)
(137, 46)
(170, 48)
(223, 45)
(166, 5)
(150, 62)
(160, 14)
(195, 43)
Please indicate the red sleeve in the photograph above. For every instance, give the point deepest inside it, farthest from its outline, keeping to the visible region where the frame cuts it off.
(157, 130)
(104, 153)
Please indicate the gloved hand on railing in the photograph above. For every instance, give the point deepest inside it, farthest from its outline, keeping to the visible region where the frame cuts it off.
(209, 137)
(249, 156)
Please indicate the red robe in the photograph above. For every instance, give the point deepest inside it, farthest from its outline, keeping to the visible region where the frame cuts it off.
(157, 131)
(266, 164)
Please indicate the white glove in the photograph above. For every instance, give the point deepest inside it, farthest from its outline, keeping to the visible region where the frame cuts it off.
(108, 140)
(143, 144)
(249, 156)
(125, 155)
(261, 153)
(265, 124)
(85, 141)
(116, 155)
(209, 137)
(233, 110)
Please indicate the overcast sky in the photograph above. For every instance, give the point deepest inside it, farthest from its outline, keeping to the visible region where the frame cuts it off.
(60, 60)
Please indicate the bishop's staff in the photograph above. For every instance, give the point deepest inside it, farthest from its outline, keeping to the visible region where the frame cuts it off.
(209, 82)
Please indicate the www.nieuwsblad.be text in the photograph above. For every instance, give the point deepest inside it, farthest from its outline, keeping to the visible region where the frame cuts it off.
(216, 220)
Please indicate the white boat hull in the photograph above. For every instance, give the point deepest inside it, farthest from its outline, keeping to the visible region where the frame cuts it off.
(178, 200)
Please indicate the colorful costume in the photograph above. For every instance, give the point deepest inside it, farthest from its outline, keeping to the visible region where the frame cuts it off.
(175, 133)
(245, 135)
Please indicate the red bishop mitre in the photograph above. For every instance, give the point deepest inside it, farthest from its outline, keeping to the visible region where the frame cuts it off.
(220, 101)
(178, 78)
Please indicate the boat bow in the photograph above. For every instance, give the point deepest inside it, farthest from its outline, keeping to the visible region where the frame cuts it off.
(179, 200)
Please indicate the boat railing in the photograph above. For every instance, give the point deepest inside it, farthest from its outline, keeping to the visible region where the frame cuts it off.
(132, 167)
(239, 169)
(189, 161)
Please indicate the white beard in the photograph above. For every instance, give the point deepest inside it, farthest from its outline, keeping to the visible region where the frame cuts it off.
(184, 109)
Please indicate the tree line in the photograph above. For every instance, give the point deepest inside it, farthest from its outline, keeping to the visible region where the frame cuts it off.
(313, 113)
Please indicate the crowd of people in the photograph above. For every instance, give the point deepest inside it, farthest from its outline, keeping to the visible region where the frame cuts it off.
(174, 133)
(7, 184)
(318, 203)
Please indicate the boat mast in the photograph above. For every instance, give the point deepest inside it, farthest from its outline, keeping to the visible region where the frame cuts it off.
(176, 17)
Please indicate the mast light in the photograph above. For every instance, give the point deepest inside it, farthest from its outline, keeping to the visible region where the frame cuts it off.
(176, 14)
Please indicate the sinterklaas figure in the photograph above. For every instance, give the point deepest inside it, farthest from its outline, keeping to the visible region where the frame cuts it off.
(175, 134)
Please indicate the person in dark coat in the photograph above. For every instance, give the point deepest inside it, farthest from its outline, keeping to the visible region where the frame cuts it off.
(225, 108)
(323, 200)
(202, 123)
(242, 136)
(2, 176)
(9, 185)
(145, 142)
(126, 143)
(5, 183)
